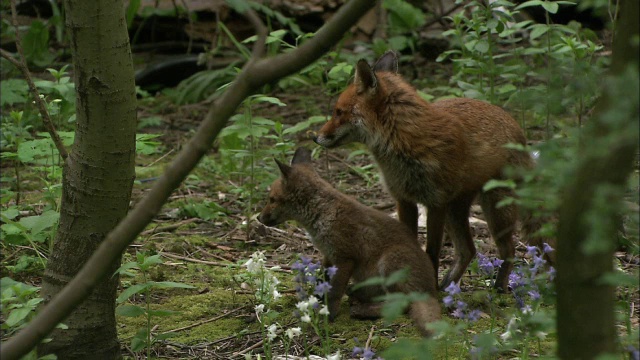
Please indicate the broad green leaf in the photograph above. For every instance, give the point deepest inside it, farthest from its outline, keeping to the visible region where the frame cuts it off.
(11, 213)
(37, 224)
(14, 91)
(17, 315)
(619, 278)
(397, 277)
(304, 125)
(127, 266)
(132, 9)
(131, 290)
(482, 46)
(538, 31)
(550, 6)
(151, 260)
(130, 310)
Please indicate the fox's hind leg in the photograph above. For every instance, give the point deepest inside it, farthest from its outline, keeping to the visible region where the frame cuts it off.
(408, 215)
(501, 223)
(457, 224)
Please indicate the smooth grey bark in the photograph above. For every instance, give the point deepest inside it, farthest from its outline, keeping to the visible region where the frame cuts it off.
(585, 309)
(98, 174)
(256, 73)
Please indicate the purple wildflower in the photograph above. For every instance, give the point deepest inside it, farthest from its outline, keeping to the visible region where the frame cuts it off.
(532, 250)
(474, 315)
(331, 271)
(534, 295)
(305, 260)
(497, 263)
(546, 248)
(552, 273)
(368, 354)
(448, 301)
(298, 266)
(313, 267)
(485, 265)
(458, 313)
(633, 352)
(453, 289)
(356, 351)
(322, 288)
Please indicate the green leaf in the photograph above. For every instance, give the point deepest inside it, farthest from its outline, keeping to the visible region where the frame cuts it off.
(170, 284)
(394, 308)
(538, 30)
(397, 277)
(551, 7)
(619, 278)
(138, 343)
(494, 183)
(151, 260)
(14, 91)
(304, 125)
(482, 46)
(132, 290)
(127, 266)
(239, 6)
(18, 315)
(11, 213)
(37, 224)
(269, 99)
(130, 310)
(132, 9)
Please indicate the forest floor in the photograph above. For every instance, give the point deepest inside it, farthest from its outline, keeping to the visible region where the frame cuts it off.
(216, 319)
(208, 229)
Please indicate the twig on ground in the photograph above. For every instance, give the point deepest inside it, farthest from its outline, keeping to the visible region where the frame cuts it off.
(159, 229)
(205, 321)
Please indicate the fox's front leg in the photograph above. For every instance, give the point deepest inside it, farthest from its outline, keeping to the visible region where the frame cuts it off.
(408, 215)
(339, 284)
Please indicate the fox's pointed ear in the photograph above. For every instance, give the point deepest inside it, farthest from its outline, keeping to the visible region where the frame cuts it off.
(365, 79)
(284, 168)
(301, 156)
(387, 62)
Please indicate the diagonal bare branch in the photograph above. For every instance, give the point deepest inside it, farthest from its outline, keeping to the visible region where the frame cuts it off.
(255, 74)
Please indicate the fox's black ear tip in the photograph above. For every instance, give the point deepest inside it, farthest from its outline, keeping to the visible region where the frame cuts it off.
(302, 155)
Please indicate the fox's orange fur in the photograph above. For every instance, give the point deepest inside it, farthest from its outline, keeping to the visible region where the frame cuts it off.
(360, 241)
(438, 154)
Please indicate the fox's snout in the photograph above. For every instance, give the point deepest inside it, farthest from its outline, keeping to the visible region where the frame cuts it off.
(324, 140)
(267, 219)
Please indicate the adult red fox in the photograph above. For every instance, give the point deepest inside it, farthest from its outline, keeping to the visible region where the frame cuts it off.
(437, 154)
(360, 241)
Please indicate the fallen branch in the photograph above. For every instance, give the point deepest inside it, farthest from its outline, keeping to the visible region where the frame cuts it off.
(205, 321)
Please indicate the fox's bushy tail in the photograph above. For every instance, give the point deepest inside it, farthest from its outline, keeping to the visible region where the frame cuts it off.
(425, 312)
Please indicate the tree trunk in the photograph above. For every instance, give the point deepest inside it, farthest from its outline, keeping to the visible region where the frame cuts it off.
(98, 175)
(585, 305)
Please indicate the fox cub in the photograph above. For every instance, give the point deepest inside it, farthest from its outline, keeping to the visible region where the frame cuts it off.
(360, 241)
(437, 154)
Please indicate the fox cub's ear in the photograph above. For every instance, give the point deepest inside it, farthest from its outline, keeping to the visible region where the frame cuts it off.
(387, 62)
(284, 168)
(301, 156)
(365, 79)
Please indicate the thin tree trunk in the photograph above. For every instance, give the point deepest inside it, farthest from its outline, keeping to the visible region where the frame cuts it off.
(98, 175)
(586, 306)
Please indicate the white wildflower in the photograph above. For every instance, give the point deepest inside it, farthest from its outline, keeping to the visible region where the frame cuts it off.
(305, 318)
(293, 332)
(276, 295)
(312, 301)
(335, 356)
(302, 306)
(271, 332)
(324, 310)
(259, 309)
